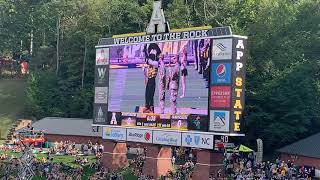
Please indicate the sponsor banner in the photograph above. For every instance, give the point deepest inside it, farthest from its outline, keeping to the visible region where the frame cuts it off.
(139, 135)
(179, 122)
(221, 73)
(114, 133)
(171, 36)
(197, 140)
(101, 77)
(101, 95)
(167, 138)
(219, 120)
(197, 122)
(100, 113)
(128, 119)
(222, 49)
(220, 96)
(102, 56)
(238, 84)
(114, 118)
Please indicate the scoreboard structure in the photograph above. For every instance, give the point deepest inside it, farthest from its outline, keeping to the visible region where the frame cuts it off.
(170, 87)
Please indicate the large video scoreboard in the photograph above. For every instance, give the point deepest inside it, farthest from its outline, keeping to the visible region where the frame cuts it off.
(178, 88)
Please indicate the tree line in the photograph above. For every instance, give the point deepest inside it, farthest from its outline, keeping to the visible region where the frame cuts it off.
(283, 73)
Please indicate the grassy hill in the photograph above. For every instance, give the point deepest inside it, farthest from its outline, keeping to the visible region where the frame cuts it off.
(12, 103)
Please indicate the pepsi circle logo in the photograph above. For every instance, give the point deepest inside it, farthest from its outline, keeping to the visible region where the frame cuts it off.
(147, 136)
(221, 70)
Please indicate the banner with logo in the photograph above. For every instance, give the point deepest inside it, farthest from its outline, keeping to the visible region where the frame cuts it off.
(219, 120)
(222, 49)
(227, 84)
(114, 133)
(197, 122)
(100, 115)
(239, 56)
(128, 119)
(101, 78)
(114, 118)
(166, 138)
(221, 73)
(102, 56)
(139, 135)
(197, 140)
(179, 122)
(220, 96)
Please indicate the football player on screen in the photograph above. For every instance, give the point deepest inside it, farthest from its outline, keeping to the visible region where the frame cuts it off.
(152, 53)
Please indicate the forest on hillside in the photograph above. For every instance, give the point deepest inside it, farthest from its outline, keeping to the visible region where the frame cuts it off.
(283, 73)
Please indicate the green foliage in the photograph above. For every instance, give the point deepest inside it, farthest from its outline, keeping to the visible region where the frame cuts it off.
(283, 77)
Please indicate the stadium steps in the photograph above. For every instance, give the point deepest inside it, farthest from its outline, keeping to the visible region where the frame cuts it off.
(17, 125)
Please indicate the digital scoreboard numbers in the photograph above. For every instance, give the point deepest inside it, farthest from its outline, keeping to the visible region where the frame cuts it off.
(164, 121)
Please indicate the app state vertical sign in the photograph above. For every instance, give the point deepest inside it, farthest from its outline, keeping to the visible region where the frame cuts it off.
(239, 54)
(101, 89)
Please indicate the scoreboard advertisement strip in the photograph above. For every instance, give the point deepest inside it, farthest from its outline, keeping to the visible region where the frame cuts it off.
(239, 56)
(101, 90)
(227, 87)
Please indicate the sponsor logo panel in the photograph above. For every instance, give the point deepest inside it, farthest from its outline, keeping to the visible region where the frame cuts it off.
(197, 140)
(101, 95)
(220, 96)
(221, 73)
(222, 49)
(139, 135)
(219, 120)
(102, 56)
(114, 133)
(101, 77)
(128, 119)
(114, 118)
(100, 113)
(167, 138)
(198, 122)
(179, 122)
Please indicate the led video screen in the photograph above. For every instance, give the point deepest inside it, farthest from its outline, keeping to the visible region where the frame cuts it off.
(161, 78)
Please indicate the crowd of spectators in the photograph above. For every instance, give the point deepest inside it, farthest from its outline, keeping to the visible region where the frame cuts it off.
(238, 166)
(71, 148)
(241, 167)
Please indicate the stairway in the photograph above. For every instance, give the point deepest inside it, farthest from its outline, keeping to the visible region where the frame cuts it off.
(17, 125)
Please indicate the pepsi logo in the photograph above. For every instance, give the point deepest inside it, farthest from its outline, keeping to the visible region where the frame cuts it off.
(147, 136)
(221, 70)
